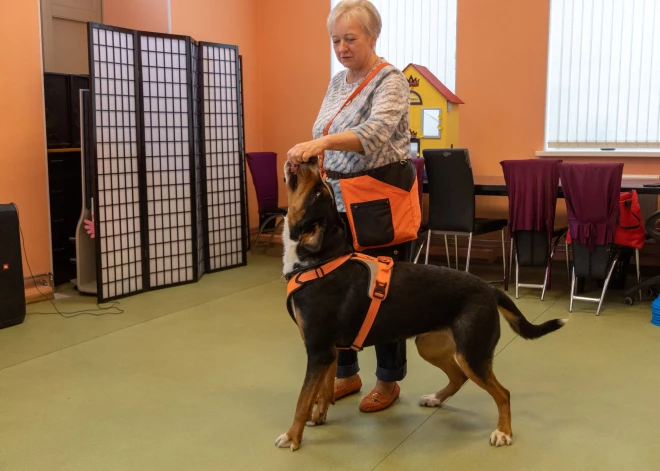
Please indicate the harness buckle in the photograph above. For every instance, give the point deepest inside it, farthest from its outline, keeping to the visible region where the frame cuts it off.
(385, 260)
(379, 290)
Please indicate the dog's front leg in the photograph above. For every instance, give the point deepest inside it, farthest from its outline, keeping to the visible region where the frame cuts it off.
(326, 396)
(317, 369)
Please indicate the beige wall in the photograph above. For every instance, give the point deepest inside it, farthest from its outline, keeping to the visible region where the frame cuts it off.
(145, 15)
(231, 22)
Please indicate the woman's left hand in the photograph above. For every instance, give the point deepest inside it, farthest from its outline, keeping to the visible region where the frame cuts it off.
(306, 150)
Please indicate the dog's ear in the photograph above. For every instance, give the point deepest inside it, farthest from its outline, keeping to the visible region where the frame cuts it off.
(311, 241)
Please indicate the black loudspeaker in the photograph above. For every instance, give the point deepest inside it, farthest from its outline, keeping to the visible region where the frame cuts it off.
(12, 291)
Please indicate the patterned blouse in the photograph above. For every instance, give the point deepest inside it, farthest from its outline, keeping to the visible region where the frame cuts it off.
(378, 116)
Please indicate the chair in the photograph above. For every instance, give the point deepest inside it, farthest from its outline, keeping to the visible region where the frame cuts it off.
(451, 202)
(652, 283)
(532, 187)
(419, 168)
(263, 168)
(592, 202)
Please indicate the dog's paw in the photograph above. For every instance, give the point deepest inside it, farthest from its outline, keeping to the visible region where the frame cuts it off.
(318, 416)
(430, 400)
(317, 420)
(283, 441)
(498, 438)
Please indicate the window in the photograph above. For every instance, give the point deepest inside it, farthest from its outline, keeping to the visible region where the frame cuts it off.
(414, 148)
(603, 69)
(416, 31)
(431, 122)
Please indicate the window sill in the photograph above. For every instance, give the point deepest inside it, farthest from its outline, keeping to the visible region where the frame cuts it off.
(602, 153)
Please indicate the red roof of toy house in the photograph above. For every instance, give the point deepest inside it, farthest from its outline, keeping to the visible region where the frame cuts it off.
(439, 86)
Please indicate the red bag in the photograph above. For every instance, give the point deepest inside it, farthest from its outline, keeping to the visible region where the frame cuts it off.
(630, 230)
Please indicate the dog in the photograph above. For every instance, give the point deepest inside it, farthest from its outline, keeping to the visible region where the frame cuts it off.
(453, 315)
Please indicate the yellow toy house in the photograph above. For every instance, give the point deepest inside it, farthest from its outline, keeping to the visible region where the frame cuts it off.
(433, 111)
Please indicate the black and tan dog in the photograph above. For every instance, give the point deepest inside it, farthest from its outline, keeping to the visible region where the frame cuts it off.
(452, 314)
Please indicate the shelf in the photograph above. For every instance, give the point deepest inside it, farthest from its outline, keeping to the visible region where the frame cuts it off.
(59, 151)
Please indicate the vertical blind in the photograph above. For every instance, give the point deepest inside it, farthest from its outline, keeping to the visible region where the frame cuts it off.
(416, 31)
(603, 74)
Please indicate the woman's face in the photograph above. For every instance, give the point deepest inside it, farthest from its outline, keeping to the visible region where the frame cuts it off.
(353, 47)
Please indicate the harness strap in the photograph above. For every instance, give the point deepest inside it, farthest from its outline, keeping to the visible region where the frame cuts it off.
(378, 294)
(303, 277)
(378, 288)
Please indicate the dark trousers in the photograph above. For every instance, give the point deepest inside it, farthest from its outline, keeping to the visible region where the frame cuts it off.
(390, 356)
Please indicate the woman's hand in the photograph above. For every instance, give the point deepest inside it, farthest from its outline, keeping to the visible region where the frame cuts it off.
(306, 150)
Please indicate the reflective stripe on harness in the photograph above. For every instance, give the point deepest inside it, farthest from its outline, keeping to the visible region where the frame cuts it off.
(380, 272)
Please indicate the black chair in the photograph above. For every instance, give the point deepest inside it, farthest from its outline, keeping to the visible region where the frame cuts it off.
(651, 285)
(452, 204)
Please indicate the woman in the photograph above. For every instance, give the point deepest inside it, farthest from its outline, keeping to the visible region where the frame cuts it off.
(370, 132)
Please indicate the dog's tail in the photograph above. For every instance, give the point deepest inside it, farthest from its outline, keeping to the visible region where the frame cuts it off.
(521, 325)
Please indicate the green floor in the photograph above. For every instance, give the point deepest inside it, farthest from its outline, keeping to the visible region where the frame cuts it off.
(206, 376)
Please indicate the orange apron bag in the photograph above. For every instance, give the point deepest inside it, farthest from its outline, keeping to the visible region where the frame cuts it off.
(382, 204)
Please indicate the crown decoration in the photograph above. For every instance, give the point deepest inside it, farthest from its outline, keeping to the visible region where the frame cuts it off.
(413, 82)
(413, 134)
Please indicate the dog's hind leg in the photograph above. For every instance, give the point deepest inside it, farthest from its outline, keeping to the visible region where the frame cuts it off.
(438, 348)
(503, 435)
(318, 364)
(326, 397)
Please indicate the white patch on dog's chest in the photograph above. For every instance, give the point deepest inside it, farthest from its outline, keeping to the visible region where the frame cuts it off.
(290, 257)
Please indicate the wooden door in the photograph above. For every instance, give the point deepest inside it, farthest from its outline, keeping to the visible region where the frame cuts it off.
(64, 33)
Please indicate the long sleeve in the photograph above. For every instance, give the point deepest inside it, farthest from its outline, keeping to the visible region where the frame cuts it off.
(391, 101)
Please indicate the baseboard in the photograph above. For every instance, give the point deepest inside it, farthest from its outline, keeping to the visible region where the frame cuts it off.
(39, 288)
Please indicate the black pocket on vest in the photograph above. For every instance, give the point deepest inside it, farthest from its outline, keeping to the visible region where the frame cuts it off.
(373, 222)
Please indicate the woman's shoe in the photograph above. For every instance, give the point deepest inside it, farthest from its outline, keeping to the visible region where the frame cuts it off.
(350, 388)
(376, 401)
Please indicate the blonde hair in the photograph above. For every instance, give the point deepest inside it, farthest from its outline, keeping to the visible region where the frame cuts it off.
(361, 10)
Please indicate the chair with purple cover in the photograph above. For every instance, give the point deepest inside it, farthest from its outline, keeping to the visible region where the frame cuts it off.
(592, 202)
(419, 168)
(532, 188)
(263, 168)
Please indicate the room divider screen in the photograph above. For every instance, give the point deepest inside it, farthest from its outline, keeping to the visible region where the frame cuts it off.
(168, 151)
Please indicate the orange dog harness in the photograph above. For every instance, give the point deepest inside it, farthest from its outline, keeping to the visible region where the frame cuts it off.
(380, 272)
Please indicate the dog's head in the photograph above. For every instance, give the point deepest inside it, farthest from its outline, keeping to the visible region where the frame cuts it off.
(312, 222)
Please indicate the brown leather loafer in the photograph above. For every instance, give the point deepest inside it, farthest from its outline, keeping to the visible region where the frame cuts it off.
(376, 401)
(350, 388)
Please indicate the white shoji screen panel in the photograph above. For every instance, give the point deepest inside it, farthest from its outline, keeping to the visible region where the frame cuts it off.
(199, 163)
(115, 144)
(222, 155)
(164, 62)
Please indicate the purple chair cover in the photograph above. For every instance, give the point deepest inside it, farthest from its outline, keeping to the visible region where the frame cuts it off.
(532, 187)
(263, 167)
(419, 168)
(592, 201)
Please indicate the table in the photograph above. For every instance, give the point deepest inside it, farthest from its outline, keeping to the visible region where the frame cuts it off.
(495, 186)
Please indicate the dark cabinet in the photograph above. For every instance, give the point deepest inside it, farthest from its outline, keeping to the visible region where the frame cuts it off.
(63, 109)
(62, 102)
